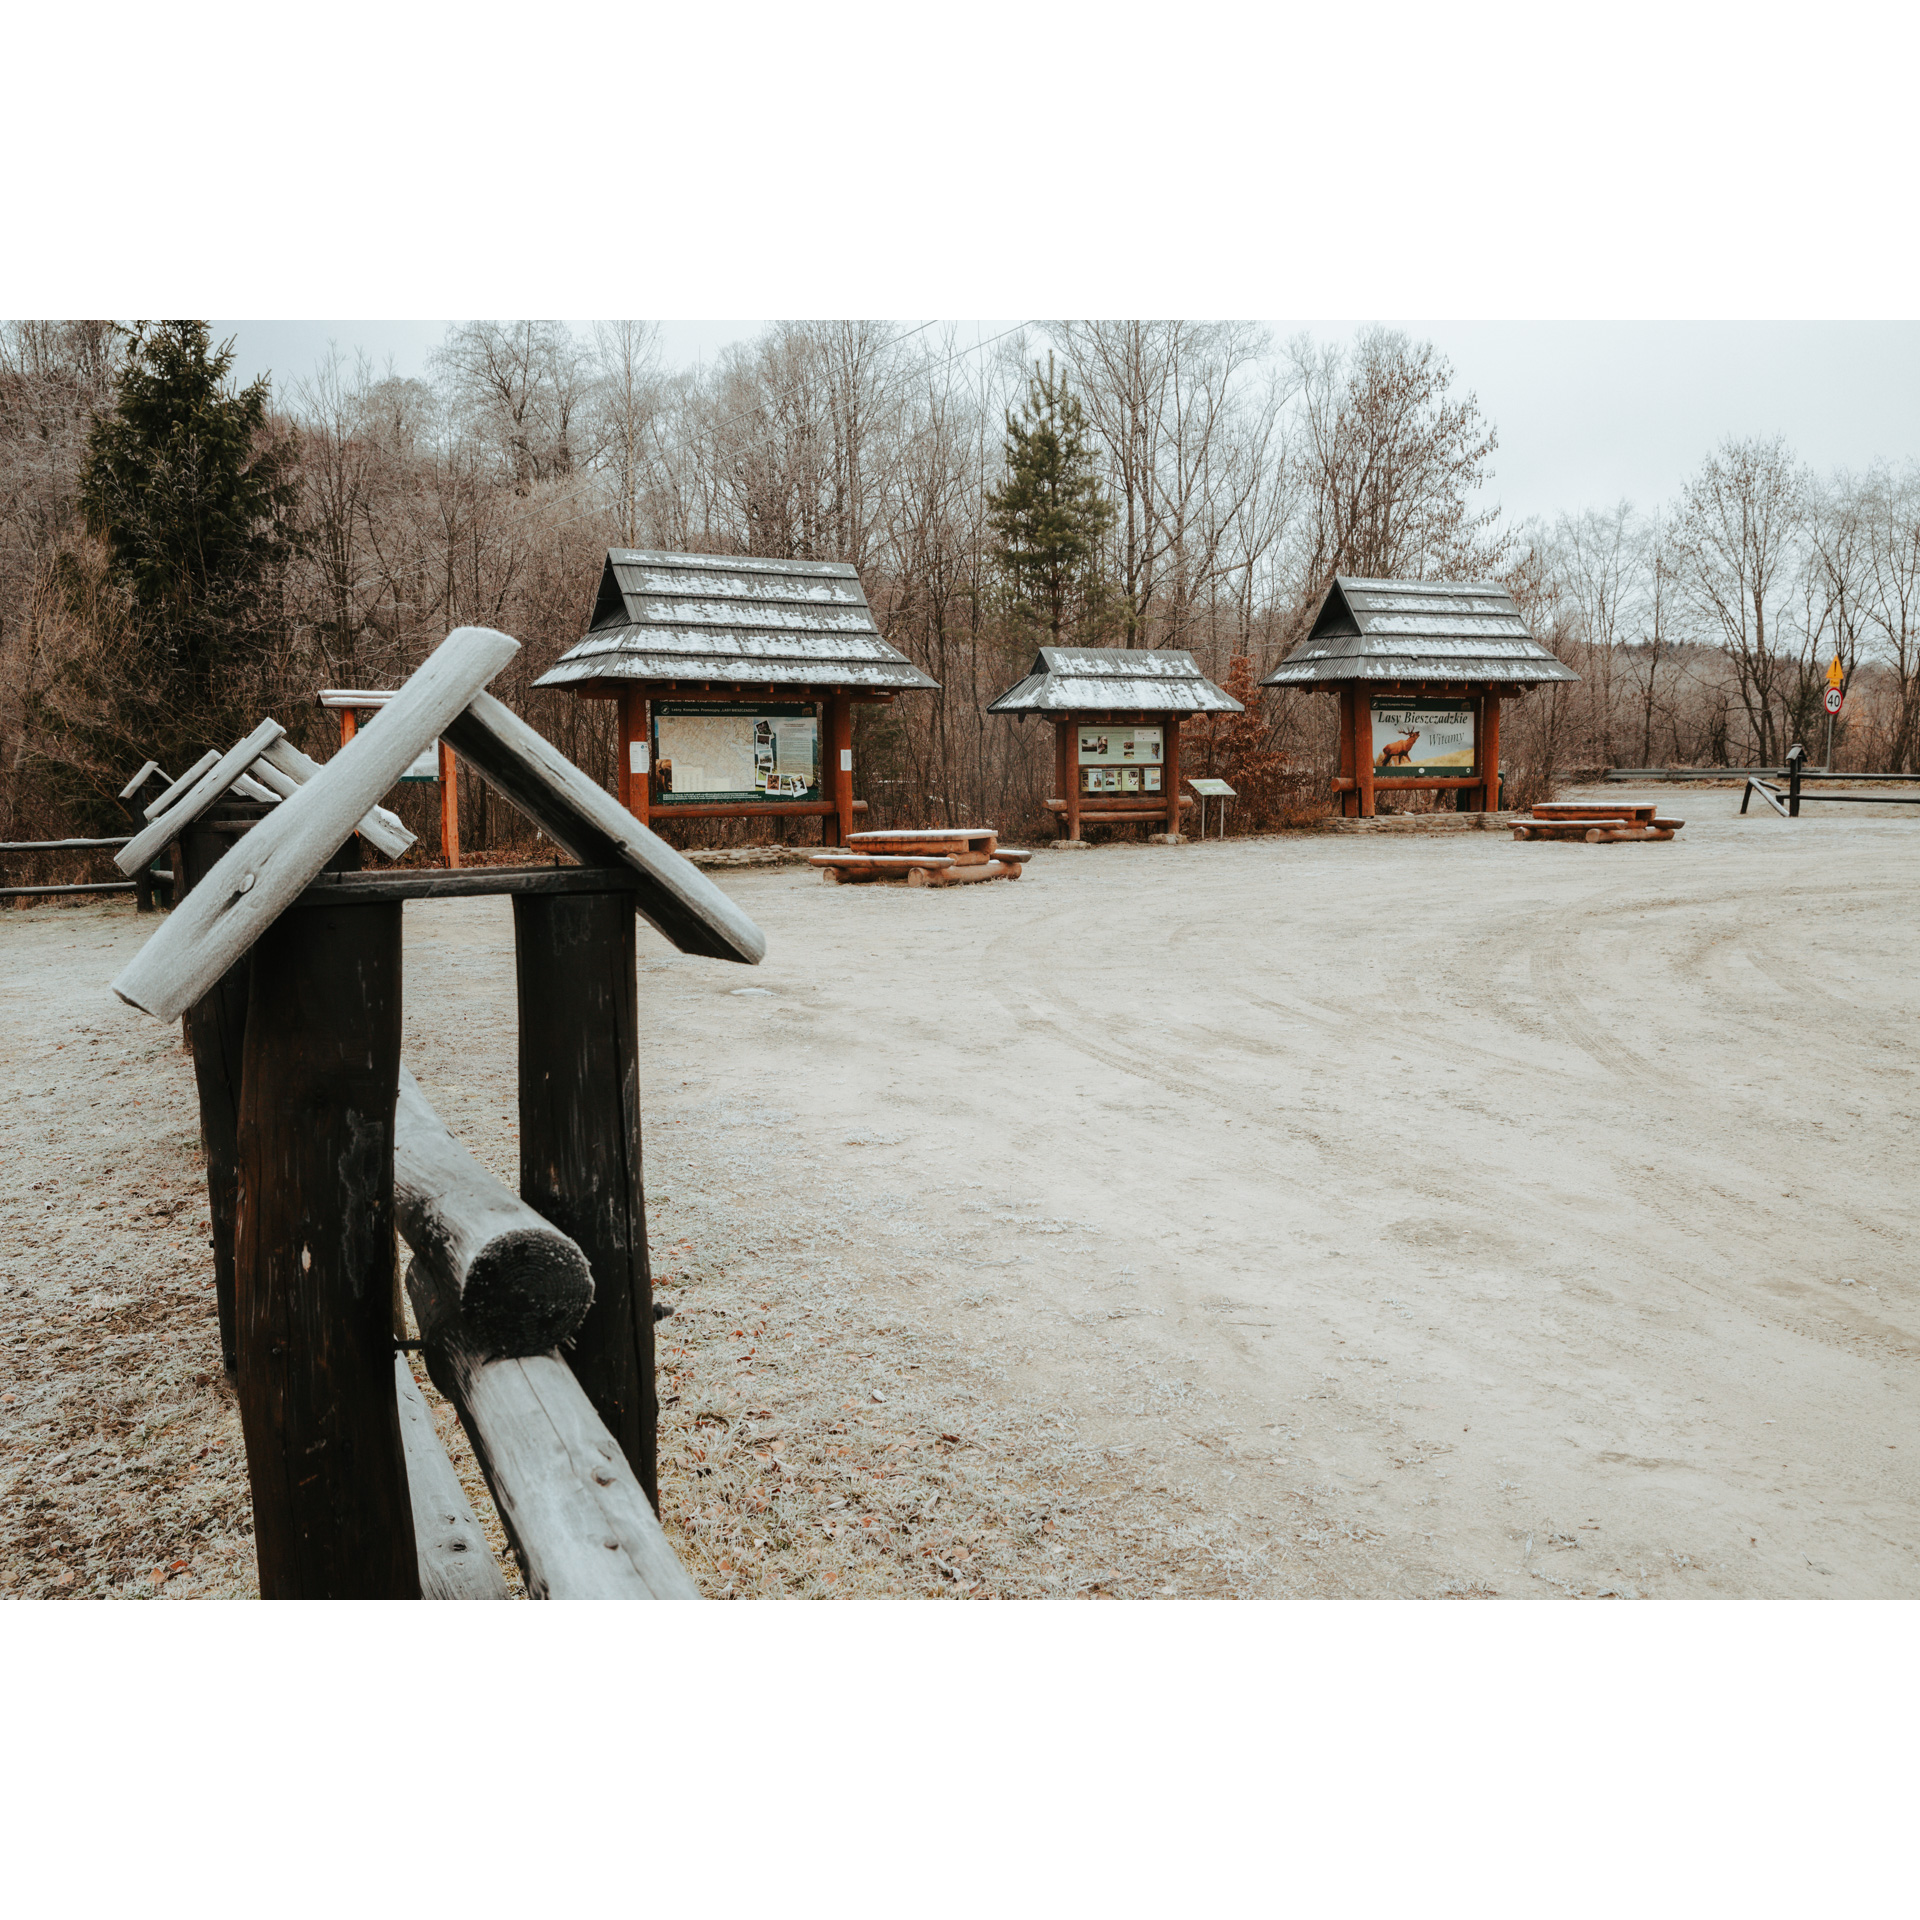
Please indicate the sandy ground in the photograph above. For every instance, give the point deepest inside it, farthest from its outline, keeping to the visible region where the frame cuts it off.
(1328, 1214)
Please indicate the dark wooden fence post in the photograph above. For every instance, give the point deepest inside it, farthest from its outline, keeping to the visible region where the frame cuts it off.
(580, 1140)
(315, 1253)
(216, 1031)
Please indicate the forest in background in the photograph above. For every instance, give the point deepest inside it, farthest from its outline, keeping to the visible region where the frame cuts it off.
(178, 558)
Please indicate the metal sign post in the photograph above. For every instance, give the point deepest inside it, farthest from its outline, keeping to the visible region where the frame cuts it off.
(1216, 790)
(1832, 701)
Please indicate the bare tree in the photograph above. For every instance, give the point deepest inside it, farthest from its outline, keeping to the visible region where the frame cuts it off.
(520, 386)
(1733, 541)
(1198, 474)
(1393, 465)
(627, 398)
(1889, 508)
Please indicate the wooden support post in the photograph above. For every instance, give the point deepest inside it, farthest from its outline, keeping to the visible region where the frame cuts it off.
(1172, 775)
(1490, 751)
(636, 782)
(1349, 796)
(315, 1255)
(1060, 759)
(1363, 748)
(1073, 778)
(449, 807)
(349, 724)
(840, 758)
(580, 1140)
(217, 1031)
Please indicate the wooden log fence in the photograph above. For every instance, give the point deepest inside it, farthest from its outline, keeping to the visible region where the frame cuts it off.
(535, 1310)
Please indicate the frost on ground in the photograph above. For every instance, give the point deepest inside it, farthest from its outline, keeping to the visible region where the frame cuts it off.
(1398, 1215)
(810, 1445)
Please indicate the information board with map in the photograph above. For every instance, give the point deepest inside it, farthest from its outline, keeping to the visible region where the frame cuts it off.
(717, 752)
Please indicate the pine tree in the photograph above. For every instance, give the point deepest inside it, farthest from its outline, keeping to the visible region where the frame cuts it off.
(191, 494)
(1050, 515)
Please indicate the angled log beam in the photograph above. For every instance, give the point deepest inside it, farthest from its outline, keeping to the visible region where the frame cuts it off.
(141, 778)
(576, 1516)
(286, 769)
(485, 1265)
(211, 786)
(599, 832)
(454, 1561)
(267, 871)
(168, 795)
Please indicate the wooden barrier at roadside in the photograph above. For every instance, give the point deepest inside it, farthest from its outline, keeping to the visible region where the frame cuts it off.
(332, 1150)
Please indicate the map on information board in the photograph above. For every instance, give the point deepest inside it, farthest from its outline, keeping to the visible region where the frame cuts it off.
(714, 752)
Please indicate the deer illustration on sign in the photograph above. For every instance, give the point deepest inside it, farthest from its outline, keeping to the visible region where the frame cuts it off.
(1396, 752)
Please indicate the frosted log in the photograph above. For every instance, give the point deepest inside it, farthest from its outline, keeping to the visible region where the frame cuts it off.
(286, 769)
(563, 1489)
(211, 786)
(169, 794)
(267, 869)
(141, 778)
(484, 1263)
(454, 1561)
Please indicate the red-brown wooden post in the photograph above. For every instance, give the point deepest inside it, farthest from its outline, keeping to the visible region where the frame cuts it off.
(449, 807)
(348, 724)
(1073, 777)
(1172, 774)
(1363, 748)
(839, 756)
(1491, 750)
(1350, 750)
(635, 781)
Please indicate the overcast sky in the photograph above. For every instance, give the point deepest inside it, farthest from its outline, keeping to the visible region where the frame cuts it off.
(1588, 412)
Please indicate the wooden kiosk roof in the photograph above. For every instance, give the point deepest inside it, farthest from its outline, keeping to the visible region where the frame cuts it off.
(1066, 680)
(733, 619)
(1420, 630)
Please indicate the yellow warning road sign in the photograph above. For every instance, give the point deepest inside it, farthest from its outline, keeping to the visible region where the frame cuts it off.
(1835, 673)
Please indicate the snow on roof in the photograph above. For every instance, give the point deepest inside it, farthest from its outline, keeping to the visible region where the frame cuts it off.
(733, 617)
(1100, 679)
(1417, 630)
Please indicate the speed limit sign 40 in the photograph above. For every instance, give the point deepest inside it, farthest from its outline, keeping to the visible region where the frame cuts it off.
(1833, 699)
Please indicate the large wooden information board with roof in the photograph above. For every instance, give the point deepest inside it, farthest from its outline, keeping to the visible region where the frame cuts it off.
(736, 678)
(1420, 668)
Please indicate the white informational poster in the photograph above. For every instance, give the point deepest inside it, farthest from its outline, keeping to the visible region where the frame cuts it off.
(1423, 736)
(1120, 746)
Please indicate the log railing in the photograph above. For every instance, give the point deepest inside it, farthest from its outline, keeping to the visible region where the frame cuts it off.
(140, 885)
(534, 1309)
